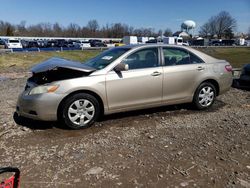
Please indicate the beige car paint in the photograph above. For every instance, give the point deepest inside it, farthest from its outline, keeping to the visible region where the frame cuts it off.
(139, 88)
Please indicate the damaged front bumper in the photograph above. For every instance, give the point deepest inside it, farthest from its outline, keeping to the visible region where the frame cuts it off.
(40, 106)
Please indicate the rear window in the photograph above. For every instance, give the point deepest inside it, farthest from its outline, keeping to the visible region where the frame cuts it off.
(13, 41)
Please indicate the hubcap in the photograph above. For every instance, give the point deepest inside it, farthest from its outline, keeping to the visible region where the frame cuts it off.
(206, 96)
(81, 112)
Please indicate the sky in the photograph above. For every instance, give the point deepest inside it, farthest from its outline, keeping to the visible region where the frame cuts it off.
(157, 14)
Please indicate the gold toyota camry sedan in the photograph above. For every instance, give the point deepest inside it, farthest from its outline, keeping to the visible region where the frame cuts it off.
(122, 79)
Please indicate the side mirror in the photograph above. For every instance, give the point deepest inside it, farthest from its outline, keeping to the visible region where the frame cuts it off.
(121, 67)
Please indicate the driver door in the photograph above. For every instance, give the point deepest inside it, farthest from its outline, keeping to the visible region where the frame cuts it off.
(140, 86)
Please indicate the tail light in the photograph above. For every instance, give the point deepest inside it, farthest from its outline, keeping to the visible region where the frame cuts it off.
(229, 68)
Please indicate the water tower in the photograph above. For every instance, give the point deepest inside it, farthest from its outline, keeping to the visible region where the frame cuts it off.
(188, 25)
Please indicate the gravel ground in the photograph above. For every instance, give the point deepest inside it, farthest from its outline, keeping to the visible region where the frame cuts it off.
(163, 147)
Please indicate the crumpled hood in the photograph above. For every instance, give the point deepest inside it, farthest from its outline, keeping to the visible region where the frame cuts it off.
(56, 62)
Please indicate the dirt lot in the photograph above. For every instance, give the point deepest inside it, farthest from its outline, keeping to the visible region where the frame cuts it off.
(163, 147)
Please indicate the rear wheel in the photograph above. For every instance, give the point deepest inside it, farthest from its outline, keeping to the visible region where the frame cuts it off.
(204, 96)
(80, 111)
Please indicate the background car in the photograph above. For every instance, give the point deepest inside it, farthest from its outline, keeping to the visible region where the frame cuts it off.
(243, 82)
(13, 43)
(97, 43)
(85, 44)
(32, 44)
(152, 41)
(2, 43)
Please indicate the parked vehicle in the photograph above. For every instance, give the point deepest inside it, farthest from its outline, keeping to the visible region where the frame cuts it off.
(243, 82)
(200, 42)
(122, 79)
(151, 41)
(61, 43)
(178, 40)
(85, 44)
(51, 43)
(97, 43)
(32, 44)
(240, 41)
(42, 43)
(13, 43)
(142, 40)
(119, 44)
(130, 40)
(173, 40)
(169, 40)
(2, 43)
(185, 44)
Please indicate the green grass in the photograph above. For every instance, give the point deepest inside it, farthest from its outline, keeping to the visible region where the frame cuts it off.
(23, 61)
(237, 57)
(26, 60)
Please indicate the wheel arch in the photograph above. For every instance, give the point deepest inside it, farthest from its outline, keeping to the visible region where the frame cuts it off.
(215, 83)
(99, 99)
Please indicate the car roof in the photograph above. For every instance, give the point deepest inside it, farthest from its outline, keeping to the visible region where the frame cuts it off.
(203, 56)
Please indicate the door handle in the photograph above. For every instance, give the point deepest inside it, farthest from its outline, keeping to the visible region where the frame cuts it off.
(200, 68)
(156, 73)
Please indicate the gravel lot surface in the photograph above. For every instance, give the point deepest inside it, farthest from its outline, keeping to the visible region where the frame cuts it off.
(172, 146)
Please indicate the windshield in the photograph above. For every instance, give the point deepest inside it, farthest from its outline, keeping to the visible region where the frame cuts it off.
(105, 58)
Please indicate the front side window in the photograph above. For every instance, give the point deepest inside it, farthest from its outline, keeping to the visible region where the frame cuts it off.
(146, 58)
(104, 59)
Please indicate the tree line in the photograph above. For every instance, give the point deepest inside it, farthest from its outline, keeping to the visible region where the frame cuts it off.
(222, 25)
(92, 29)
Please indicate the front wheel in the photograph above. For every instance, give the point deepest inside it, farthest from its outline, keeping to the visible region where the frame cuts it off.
(204, 96)
(80, 111)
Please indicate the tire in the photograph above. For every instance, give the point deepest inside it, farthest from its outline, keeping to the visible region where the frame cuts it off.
(80, 111)
(204, 96)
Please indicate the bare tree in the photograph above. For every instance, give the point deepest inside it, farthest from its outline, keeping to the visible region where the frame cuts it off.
(57, 30)
(168, 32)
(225, 23)
(221, 25)
(205, 30)
(93, 25)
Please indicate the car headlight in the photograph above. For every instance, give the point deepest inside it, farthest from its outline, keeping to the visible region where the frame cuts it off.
(43, 89)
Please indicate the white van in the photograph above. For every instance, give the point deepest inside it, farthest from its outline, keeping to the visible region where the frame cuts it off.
(173, 40)
(13, 43)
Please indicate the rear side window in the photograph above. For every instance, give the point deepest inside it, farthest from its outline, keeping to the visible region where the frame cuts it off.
(146, 58)
(176, 56)
(195, 59)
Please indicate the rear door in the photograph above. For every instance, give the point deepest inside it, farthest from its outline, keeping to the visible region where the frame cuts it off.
(182, 71)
